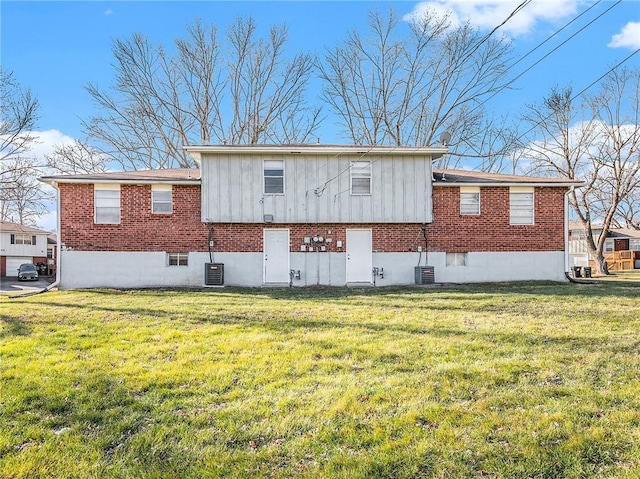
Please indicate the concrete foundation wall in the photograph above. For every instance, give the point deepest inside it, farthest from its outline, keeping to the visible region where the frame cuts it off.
(89, 269)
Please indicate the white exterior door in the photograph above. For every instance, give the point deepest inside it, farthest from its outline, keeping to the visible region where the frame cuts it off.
(359, 256)
(14, 263)
(276, 256)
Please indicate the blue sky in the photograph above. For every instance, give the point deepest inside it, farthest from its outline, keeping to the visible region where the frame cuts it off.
(56, 47)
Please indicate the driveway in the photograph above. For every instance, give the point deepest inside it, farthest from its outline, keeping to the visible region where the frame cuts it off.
(11, 285)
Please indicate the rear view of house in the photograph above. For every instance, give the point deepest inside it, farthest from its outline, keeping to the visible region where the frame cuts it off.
(308, 215)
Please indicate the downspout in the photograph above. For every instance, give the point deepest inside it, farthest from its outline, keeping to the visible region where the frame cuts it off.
(566, 230)
(58, 242)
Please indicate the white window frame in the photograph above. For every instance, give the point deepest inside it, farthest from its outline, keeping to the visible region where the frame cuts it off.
(634, 244)
(609, 245)
(456, 259)
(273, 167)
(521, 206)
(469, 200)
(159, 205)
(360, 172)
(23, 239)
(106, 197)
(177, 259)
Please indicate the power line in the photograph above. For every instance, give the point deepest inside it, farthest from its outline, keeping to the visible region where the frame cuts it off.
(584, 90)
(550, 52)
(488, 35)
(554, 34)
(319, 190)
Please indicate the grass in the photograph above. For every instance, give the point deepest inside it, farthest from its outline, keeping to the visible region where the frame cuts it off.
(530, 380)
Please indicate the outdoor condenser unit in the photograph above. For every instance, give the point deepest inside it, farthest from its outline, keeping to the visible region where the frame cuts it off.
(424, 274)
(214, 274)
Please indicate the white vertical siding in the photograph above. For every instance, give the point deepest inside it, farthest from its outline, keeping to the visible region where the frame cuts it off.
(316, 189)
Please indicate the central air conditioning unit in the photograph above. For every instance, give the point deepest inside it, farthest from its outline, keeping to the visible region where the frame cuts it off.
(424, 274)
(214, 274)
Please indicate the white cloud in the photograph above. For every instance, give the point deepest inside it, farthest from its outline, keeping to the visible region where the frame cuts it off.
(48, 221)
(487, 14)
(44, 143)
(108, 11)
(629, 37)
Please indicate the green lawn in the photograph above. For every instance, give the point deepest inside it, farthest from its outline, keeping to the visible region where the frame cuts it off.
(536, 380)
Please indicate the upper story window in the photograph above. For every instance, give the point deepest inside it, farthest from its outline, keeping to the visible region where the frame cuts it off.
(273, 177)
(360, 177)
(469, 200)
(107, 203)
(21, 238)
(161, 199)
(521, 205)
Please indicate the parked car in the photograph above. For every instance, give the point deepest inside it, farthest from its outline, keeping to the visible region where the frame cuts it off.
(27, 271)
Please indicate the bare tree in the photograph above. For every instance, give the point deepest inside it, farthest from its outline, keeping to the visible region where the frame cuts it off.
(18, 115)
(22, 198)
(596, 139)
(76, 158)
(397, 88)
(160, 102)
(628, 214)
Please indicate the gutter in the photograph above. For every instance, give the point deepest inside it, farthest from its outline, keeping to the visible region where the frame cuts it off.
(532, 184)
(58, 242)
(566, 231)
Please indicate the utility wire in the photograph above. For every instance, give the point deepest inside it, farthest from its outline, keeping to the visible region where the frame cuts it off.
(319, 190)
(550, 52)
(488, 35)
(553, 34)
(584, 90)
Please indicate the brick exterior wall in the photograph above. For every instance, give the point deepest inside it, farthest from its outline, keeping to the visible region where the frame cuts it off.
(139, 229)
(182, 231)
(491, 231)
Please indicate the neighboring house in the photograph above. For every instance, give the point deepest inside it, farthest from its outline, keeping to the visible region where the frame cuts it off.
(308, 215)
(20, 244)
(52, 248)
(621, 247)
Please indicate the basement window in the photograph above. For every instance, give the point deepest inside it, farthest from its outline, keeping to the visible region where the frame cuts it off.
(178, 259)
(456, 259)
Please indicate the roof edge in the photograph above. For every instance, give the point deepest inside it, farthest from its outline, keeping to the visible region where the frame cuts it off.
(50, 180)
(434, 152)
(453, 183)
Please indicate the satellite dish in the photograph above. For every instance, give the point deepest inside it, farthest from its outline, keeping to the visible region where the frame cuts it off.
(445, 138)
